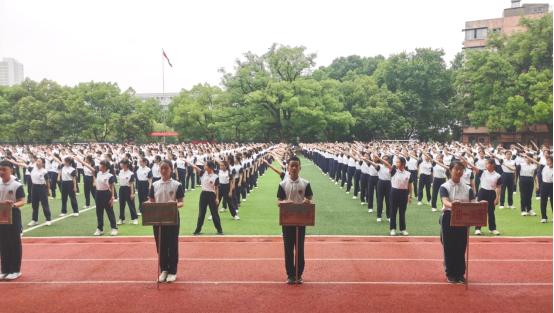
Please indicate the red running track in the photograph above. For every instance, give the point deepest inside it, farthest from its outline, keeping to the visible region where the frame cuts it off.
(246, 274)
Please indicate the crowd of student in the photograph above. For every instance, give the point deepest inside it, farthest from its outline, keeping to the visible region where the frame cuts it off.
(386, 176)
(124, 175)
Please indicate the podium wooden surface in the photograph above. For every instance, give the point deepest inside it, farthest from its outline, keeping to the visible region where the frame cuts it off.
(468, 214)
(159, 214)
(6, 214)
(296, 214)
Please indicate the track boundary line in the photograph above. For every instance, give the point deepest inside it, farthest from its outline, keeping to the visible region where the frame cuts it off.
(278, 242)
(185, 282)
(279, 259)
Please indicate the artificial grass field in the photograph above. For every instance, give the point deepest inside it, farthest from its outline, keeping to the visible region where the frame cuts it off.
(336, 214)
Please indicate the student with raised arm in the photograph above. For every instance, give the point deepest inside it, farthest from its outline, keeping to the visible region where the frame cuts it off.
(12, 194)
(296, 189)
(105, 193)
(440, 174)
(401, 193)
(165, 190)
(490, 192)
(508, 166)
(209, 182)
(383, 186)
(454, 239)
(39, 190)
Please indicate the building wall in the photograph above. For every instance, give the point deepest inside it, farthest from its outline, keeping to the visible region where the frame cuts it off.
(477, 32)
(11, 72)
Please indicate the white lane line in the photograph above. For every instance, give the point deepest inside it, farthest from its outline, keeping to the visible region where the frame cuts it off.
(238, 282)
(275, 242)
(281, 259)
(319, 237)
(56, 220)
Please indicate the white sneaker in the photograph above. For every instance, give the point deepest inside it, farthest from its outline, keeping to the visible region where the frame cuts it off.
(537, 198)
(379, 220)
(495, 232)
(512, 207)
(113, 232)
(13, 276)
(404, 233)
(363, 203)
(388, 219)
(419, 203)
(236, 218)
(32, 223)
(210, 218)
(243, 200)
(501, 207)
(543, 220)
(478, 232)
(98, 232)
(369, 210)
(51, 198)
(336, 183)
(2, 276)
(135, 222)
(163, 277)
(119, 222)
(348, 192)
(221, 210)
(393, 232)
(75, 214)
(139, 214)
(170, 278)
(62, 214)
(433, 210)
(524, 213)
(532, 213)
(48, 223)
(354, 197)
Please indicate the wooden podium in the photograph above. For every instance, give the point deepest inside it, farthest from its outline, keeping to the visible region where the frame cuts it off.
(467, 214)
(6, 214)
(296, 214)
(159, 214)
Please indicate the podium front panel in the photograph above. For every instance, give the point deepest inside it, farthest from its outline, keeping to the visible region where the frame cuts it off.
(159, 213)
(469, 214)
(5, 214)
(296, 214)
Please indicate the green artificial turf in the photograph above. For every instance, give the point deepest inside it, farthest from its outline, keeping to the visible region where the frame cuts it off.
(336, 214)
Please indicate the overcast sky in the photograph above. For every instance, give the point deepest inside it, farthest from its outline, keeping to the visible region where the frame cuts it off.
(121, 41)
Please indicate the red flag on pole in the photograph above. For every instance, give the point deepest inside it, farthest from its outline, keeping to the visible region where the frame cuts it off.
(165, 56)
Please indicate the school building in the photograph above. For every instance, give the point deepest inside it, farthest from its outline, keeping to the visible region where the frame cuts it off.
(539, 133)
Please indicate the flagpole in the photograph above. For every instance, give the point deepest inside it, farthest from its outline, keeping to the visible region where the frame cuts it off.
(163, 90)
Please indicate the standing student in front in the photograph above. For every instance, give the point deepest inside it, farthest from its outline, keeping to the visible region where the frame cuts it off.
(166, 190)
(383, 187)
(105, 193)
(11, 193)
(425, 170)
(296, 189)
(546, 187)
(208, 197)
(454, 239)
(225, 189)
(490, 192)
(440, 172)
(508, 166)
(527, 172)
(126, 180)
(400, 194)
(88, 181)
(144, 182)
(68, 178)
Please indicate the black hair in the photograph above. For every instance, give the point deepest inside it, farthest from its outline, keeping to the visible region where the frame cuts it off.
(402, 161)
(5, 163)
(146, 162)
(293, 158)
(456, 163)
(210, 164)
(106, 164)
(491, 161)
(166, 162)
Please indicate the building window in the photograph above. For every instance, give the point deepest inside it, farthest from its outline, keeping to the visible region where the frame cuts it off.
(477, 33)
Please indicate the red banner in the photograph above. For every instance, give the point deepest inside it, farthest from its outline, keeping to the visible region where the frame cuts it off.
(163, 134)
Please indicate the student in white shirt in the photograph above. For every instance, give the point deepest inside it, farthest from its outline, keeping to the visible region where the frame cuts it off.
(208, 197)
(126, 179)
(166, 190)
(490, 192)
(400, 194)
